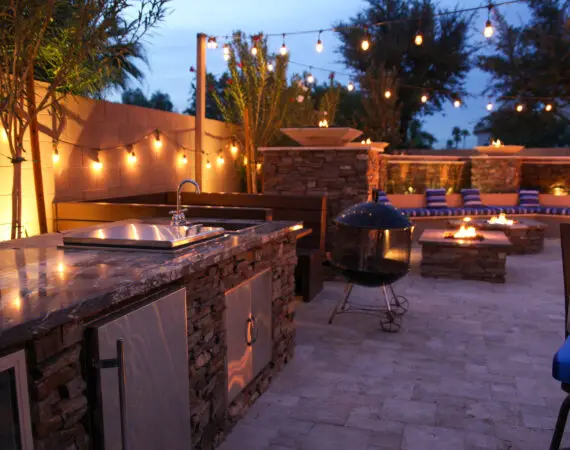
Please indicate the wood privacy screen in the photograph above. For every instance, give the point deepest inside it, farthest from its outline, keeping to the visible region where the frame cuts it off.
(311, 210)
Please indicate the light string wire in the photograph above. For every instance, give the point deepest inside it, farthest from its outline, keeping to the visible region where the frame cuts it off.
(382, 22)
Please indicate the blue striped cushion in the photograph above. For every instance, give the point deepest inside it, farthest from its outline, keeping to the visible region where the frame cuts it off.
(471, 197)
(528, 197)
(435, 198)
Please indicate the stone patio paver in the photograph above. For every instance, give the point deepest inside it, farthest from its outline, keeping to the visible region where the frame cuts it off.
(470, 369)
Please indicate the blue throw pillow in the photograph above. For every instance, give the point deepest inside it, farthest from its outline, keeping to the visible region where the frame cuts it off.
(528, 197)
(471, 198)
(435, 198)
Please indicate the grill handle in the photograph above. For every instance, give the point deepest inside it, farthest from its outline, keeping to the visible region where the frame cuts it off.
(122, 387)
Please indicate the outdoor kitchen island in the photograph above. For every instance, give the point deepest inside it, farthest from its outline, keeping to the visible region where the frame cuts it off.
(143, 346)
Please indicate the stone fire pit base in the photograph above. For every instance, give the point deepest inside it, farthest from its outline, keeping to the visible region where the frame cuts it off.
(460, 259)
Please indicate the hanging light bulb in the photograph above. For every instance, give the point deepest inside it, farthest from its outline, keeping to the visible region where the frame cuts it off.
(270, 67)
(245, 160)
(233, 148)
(212, 43)
(350, 86)
(97, 165)
(489, 30)
(221, 160)
(254, 50)
(520, 107)
(208, 164)
(132, 157)
(283, 50)
(365, 43)
(157, 140)
(388, 93)
(419, 39)
(490, 106)
(310, 78)
(548, 107)
(258, 166)
(226, 52)
(319, 47)
(183, 159)
(457, 103)
(424, 98)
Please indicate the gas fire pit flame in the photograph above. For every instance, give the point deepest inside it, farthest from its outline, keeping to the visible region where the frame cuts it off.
(497, 143)
(500, 220)
(465, 232)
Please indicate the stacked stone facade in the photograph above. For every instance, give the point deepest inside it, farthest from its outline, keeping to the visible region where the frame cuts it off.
(495, 174)
(545, 177)
(60, 408)
(346, 176)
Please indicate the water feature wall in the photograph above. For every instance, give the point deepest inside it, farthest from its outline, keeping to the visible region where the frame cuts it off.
(414, 175)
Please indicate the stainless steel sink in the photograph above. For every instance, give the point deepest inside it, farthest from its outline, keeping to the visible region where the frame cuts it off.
(229, 225)
(138, 234)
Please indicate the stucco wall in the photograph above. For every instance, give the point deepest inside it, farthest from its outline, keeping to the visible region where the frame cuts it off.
(92, 124)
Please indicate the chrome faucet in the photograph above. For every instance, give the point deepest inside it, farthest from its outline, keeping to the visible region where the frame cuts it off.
(178, 217)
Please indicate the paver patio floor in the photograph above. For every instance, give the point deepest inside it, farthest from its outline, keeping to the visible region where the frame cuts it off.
(469, 370)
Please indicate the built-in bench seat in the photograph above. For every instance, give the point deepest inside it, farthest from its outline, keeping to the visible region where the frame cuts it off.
(484, 211)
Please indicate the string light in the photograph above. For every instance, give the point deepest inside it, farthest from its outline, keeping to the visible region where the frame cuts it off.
(489, 30)
(520, 107)
(183, 159)
(283, 50)
(548, 107)
(490, 106)
(310, 78)
(132, 157)
(319, 47)
(365, 43)
(157, 140)
(208, 164)
(258, 166)
(419, 39)
(226, 52)
(245, 160)
(270, 67)
(233, 149)
(457, 103)
(97, 165)
(55, 156)
(221, 160)
(212, 43)
(388, 93)
(350, 86)
(254, 50)
(424, 98)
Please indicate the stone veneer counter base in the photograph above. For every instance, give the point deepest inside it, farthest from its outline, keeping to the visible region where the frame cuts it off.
(526, 235)
(50, 296)
(465, 259)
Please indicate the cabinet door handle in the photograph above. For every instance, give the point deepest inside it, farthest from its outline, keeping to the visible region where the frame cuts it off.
(121, 370)
(249, 331)
(254, 329)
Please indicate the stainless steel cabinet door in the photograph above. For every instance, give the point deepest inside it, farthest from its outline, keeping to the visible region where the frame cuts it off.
(239, 336)
(156, 376)
(261, 309)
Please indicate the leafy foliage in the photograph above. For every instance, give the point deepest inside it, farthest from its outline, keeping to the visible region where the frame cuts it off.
(158, 100)
(214, 87)
(440, 64)
(528, 61)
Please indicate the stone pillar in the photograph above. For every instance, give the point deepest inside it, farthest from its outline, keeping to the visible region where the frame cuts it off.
(346, 175)
(496, 174)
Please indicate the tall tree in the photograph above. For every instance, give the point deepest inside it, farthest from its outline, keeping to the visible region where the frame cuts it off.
(72, 50)
(158, 100)
(215, 86)
(419, 138)
(456, 135)
(530, 64)
(439, 65)
(256, 98)
(465, 134)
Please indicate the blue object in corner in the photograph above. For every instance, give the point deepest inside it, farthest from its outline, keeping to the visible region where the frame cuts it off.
(561, 363)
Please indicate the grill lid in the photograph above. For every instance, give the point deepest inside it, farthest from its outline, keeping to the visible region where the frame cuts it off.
(373, 215)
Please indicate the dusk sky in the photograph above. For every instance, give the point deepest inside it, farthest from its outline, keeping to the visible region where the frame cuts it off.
(172, 47)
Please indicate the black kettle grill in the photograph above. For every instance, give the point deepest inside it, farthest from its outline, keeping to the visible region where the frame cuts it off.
(372, 247)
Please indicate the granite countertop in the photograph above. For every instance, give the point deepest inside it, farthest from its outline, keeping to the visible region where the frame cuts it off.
(44, 286)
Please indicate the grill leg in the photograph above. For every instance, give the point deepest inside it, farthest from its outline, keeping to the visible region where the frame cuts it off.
(342, 304)
(560, 424)
(387, 299)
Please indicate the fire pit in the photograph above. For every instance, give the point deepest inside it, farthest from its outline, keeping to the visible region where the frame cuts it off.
(469, 255)
(372, 247)
(525, 235)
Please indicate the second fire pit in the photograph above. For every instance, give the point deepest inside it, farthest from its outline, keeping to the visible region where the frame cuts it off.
(525, 235)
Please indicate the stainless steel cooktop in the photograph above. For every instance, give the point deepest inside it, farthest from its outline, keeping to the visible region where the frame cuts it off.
(139, 235)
